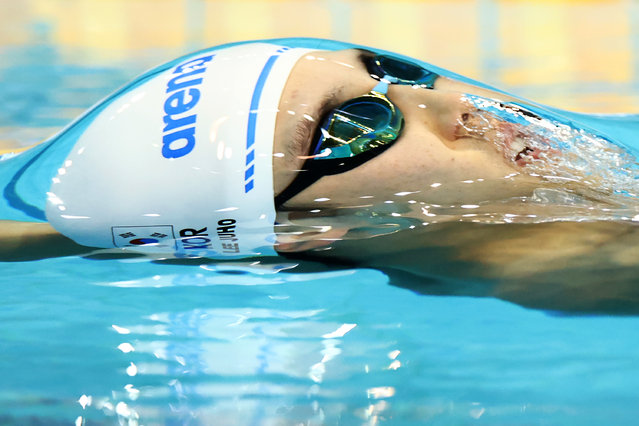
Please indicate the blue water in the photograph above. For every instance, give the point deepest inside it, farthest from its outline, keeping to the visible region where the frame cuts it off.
(253, 346)
(131, 341)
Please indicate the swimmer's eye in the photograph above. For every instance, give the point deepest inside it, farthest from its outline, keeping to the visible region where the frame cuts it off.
(351, 134)
(372, 120)
(361, 128)
(359, 125)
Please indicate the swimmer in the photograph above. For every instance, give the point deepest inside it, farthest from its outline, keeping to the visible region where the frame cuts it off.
(345, 154)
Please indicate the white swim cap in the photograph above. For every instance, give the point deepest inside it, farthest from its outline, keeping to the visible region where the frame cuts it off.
(182, 161)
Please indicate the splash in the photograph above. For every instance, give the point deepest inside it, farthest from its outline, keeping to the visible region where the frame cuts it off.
(577, 160)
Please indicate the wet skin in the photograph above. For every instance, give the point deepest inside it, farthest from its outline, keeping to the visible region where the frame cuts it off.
(584, 267)
(434, 147)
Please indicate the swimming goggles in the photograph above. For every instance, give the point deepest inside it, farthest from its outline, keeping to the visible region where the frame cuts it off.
(361, 128)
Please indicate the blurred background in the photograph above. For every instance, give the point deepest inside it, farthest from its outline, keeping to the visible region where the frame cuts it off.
(57, 57)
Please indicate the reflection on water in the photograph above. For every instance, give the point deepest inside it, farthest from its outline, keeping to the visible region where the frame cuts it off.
(219, 352)
(235, 351)
(175, 344)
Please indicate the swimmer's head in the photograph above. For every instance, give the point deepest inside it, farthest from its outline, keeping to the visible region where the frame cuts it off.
(433, 156)
(464, 153)
(191, 156)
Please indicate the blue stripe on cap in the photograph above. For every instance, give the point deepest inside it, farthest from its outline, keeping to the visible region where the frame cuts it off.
(249, 173)
(252, 119)
(250, 156)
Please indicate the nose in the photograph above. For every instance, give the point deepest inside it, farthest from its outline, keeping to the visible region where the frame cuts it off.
(442, 112)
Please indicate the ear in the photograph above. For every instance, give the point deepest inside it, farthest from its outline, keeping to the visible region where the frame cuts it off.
(309, 240)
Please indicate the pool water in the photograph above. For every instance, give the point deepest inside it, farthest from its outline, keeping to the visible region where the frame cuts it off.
(128, 340)
(138, 341)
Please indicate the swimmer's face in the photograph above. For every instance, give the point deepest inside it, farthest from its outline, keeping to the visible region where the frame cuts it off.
(435, 158)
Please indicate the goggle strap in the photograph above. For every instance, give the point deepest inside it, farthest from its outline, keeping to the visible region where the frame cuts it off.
(303, 180)
(314, 169)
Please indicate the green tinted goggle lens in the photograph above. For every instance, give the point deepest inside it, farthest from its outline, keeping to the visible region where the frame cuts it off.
(360, 124)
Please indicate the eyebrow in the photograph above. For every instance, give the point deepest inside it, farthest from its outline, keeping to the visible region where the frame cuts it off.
(305, 129)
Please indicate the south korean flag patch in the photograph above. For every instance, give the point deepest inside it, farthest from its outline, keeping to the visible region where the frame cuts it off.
(157, 236)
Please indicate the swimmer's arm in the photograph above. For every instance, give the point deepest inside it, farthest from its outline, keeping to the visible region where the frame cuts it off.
(563, 266)
(28, 241)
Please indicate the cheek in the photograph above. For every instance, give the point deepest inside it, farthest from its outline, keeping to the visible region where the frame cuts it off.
(417, 163)
(404, 167)
(420, 162)
(416, 157)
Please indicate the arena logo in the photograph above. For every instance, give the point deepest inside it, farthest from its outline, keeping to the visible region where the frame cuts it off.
(178, 135)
